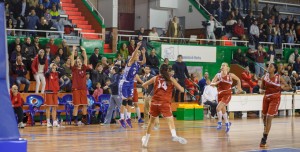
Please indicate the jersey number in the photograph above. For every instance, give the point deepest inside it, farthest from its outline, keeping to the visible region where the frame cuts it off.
(162, 85)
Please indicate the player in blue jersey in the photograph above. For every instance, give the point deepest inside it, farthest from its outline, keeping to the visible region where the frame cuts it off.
(126, 84)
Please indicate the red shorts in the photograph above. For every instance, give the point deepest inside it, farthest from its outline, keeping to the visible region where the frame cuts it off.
(135, 95)
(164, 109)
(79, 97)
(270, 105)
(51, 99)
(225, 98)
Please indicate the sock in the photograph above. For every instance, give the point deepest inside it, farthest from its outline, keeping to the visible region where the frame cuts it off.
(147, 139)
(138, 112)
(225, 117)
(128, 115)
(219, 116)
(173, 132)
(48, 120)
(265, 136)
(122, 115)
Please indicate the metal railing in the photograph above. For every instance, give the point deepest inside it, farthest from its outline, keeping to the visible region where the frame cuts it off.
(125, 31)
(81, 34)
(191, 40)
(218, 23)
(95, 9)
(37, 31)
(289, 45)
(280, 3)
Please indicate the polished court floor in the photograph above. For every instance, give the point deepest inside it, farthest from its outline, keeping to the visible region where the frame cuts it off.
(245, 135)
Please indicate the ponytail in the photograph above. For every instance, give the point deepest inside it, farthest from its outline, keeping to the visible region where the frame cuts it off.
(164, 72)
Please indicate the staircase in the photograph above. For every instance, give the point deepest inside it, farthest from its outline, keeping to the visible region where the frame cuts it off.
(79, 18)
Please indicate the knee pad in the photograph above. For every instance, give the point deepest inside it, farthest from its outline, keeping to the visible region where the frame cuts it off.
(124, 102)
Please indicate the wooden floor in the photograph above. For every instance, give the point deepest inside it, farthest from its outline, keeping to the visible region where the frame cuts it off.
(245, 135)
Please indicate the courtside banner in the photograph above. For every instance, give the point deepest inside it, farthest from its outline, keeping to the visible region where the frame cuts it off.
(189, 53)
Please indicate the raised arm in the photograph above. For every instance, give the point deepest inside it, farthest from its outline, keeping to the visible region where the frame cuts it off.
(215, 81)
(72, 56)
(138, 78)
(84, 55)
(134, 54)
(149, 82)
(177, 86)
(239, 86)
(144, 57)
(284, 85)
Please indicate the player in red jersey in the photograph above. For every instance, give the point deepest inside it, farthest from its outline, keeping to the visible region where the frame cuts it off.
(79, 84)
(271, 86)
(161, 102)
(52, 88)
(224, 82)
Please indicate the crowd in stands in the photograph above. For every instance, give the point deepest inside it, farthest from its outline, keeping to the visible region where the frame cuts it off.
(268, 26)
(34, 15)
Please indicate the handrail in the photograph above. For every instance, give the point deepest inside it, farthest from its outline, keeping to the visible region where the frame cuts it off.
(201, 6)
(43, 31)
(126, 31)
(87, 33)
(94, 8)
(170, 38)
(284, 45)
(279, 3)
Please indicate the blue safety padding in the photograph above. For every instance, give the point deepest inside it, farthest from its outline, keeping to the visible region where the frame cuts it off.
(13, 146)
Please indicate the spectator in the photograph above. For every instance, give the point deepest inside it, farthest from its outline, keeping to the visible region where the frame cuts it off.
(277, 36)
(32, 22)
(153, 62)
(173, 28)
(57, 61)
(247, 80)
(98, 91)
(254, 31)
(47, 4)
(290, 34)
(95, 57)
(40, 11)
(98, 75)
(210, 97)
(124, 51)
(131, 47)
(44, 26)
(47, 15)
(33, 3)
(210, 7)
(166, 61)
(12, 46)
(219, 9)
(39, 67)
(89, 84)
(260, 56)
(231, 21)
(210, 28)
(246, 6)
(105, 64)
(254, 2)
(66, 49)
(262, 33)
(141, 31)
(49, 57)
(248, 20)
(20, 71)
(295, 80)
(53, 47)
(36, 44)
(68, 74)
(287, 78)
(15, 54)
(260, 19)
(269, 32)
(60, 54)
(28, 52)
(293, 57)
(280, 70)
(10, 25)
(190, 86)
(106, 89)
(203, 82)
(266, 11)
(153, 35)
(181, 73)
(119, 62)
(289, 69)
(17, 104)
(271, 54)
(238, 57)
(238, 30)
(296, 65)
(274, 12)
